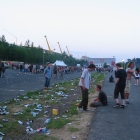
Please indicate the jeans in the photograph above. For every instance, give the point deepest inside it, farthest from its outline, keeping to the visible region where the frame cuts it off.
(47, 82)
(84, 102)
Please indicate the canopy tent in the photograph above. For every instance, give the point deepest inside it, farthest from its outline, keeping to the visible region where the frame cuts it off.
(60, 63)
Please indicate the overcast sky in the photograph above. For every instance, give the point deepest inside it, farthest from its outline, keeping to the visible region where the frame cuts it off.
(95, 28)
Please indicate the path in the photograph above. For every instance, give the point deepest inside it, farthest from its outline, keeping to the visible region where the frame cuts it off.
(117, 124)
(15, 84)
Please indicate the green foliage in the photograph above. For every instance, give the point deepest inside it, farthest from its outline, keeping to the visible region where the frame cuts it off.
(33, 55)
(58, 123)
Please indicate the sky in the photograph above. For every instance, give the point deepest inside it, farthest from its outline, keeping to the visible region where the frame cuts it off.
(95, 28)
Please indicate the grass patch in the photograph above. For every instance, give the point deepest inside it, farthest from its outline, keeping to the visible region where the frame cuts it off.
(58, 123)
(73, 129)
(12, 128)
(44, 137)
(72, 109)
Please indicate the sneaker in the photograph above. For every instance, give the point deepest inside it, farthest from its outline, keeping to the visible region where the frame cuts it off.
(86, 109)
(79, 109)
(122, 106)
(127, 102)
(117, 106)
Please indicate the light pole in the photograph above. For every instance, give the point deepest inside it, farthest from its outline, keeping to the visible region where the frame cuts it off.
(12, 35)
(43, 56)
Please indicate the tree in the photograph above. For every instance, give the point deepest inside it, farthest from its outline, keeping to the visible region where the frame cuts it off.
(3, 39)
(27, 43)
(105, 65)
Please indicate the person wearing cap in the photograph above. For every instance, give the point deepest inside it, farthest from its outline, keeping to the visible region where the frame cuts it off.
(47, 75)
(84, 83)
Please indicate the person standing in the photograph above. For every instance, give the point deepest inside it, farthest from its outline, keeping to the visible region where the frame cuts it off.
(101, 100)
(61, 72)
(55, 71)
(120, 85)
(136, 76)
(84, 83)
(47, 75)
(129, 72)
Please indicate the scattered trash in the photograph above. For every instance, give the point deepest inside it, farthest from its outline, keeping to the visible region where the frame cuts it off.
(68, 123)
(73, 137)
(47, 121)
(29, 122)
(44, 130)
(20, 122)
(27, 105)
(5, 120)
(37, 109)
(55, 111)
(66, 111)
(39, 129)
(45, 112)
(64, 116)
(21, 90)
(47, 106)
(17, 113)
(48, 132)
(2, 134)
(34, 114)
(56, 118)
(87, 123)
(25, 97)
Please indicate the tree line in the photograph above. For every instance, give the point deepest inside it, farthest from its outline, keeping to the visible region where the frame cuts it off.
(33, 55)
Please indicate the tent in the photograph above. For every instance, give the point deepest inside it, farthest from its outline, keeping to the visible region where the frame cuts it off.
(60, 63)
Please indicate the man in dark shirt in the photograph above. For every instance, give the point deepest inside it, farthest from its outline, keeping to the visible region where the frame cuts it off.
(120, 85)
(101, 100)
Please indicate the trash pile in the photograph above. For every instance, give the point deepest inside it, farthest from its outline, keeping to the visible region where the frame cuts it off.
(3, 110)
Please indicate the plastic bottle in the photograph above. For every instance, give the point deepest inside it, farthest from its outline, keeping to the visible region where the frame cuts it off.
(20, 122)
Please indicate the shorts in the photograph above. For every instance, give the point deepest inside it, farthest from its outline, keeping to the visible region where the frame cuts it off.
(95, 104)
(118, 90)
(136, 77)
(127, 87)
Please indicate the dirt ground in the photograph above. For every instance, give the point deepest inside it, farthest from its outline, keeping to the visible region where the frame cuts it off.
(82, 122)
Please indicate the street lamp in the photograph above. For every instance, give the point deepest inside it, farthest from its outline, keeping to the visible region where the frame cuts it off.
(12, 35)
(43, 56)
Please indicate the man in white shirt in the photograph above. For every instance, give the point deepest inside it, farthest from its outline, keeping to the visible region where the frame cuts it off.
(85, 85)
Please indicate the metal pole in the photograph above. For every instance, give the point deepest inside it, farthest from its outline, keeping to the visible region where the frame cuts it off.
(43, 57)
(12, 35)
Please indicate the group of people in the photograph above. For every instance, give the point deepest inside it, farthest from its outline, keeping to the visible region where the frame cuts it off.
(122, 86)
(32, 68)
(123, 83)
(84, 83)
(53, 70)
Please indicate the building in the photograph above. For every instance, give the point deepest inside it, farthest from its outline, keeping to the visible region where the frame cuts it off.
(99, 62)
(85, 58)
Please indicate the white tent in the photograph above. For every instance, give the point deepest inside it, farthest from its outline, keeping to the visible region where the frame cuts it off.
(60, 63)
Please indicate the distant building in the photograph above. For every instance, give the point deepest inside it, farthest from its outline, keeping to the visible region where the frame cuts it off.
(85, 58)
(99, 62)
